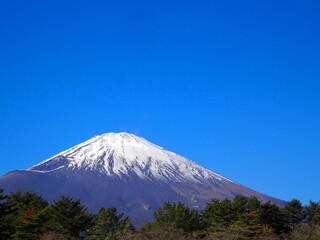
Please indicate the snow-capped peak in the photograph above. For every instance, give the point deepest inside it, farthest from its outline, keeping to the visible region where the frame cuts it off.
(124, 154)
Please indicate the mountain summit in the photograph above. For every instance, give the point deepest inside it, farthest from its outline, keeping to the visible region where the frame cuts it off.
(123, 155)
(126, 171)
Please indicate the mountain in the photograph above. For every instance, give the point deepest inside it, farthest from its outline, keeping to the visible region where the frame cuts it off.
(126, 171)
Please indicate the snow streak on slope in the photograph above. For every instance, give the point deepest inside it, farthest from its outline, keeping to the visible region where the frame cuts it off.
(123, 154)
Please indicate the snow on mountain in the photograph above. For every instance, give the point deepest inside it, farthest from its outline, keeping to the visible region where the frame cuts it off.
(123, 154)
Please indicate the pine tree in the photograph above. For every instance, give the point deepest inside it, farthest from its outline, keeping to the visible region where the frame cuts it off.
(2, 201)
(218, 214)
(178, 215)
(109, 224)
(68, 217)
(21, 202)
(3, 205)
(5, 230)
(271, 215)
(31, 225)
(293, 213)
(313, 212)
(23, 208)
(240, 205)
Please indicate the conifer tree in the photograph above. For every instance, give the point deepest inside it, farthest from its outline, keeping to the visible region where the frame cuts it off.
(68, 217)
(218, 214)
(271, 215)
(24, 209)
(2, 205)
(240, 205)
(293, 213)
(26, 201)
(109, 224)
(31, 225)
(178, 215)
(4, 224)
(313, 212)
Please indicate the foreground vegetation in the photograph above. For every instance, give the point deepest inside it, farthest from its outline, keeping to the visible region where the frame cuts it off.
(29, 216)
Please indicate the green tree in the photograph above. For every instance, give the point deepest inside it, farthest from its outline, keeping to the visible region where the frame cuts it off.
(248, 222)
(178, 215)
(3, 205)
(313, 212)
(6, 228)
(293, 213)
(248, 210)
(68, 216)
(238, 218)
(109, 224)
(218, 214)
(24, 210)
(25, 201)
(2, 202)
(249, 226)
(240, 205)
(271, 215)
(253, 204)
(31, 225)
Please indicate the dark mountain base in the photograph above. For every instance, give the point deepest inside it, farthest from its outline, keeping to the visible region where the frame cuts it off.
(130, 194)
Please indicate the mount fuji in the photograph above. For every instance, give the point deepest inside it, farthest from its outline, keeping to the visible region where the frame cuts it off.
(128, 172)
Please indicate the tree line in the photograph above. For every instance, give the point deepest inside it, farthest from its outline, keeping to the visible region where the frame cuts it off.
(27, 215)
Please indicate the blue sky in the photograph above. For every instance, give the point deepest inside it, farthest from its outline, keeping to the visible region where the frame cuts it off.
(232, 85)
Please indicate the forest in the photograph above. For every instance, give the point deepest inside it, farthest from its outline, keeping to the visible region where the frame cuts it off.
(27, 215)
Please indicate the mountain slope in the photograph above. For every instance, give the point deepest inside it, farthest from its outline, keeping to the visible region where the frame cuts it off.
(126, 171)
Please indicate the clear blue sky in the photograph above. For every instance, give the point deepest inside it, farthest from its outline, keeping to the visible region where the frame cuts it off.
(232, 85)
